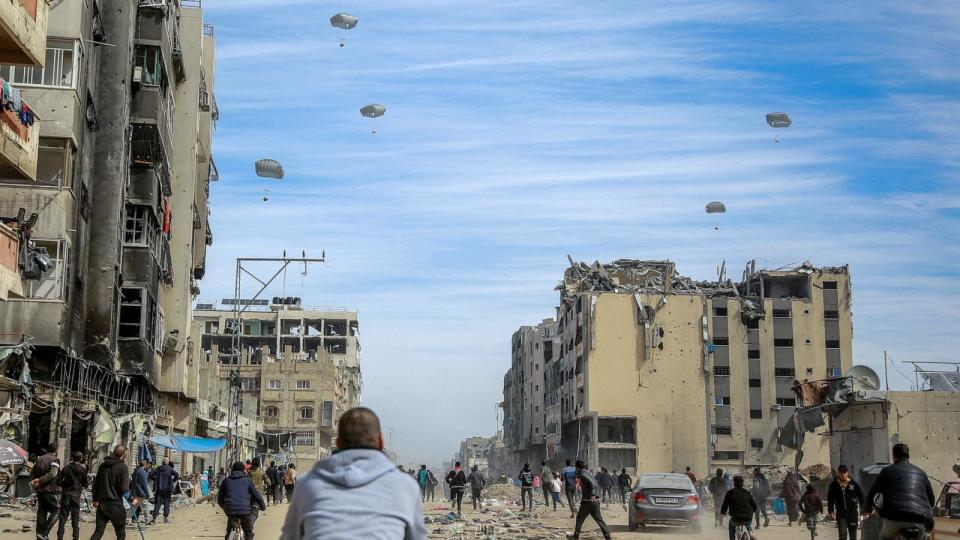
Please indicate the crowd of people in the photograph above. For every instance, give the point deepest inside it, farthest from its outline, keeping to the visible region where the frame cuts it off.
(358, 493)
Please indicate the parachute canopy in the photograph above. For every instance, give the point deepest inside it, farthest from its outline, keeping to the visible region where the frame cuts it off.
(344, 21)
(269, 168)
(716, 207)
(373, 110)
(778, 120)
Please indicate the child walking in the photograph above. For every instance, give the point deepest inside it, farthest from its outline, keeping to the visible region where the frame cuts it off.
(812, 506)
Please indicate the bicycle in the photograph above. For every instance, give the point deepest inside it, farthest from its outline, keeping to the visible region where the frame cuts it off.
(236, 533)
(741, 532)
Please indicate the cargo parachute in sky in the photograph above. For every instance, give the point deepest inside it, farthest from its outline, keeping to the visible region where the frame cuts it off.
(778, 120)
(716, 207)
(373, 110)
(269, 168)
(344, 21)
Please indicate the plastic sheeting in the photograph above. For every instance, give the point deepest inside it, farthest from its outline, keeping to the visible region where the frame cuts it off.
(183, 443)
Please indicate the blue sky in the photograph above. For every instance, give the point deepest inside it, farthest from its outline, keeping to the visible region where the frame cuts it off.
(519, 132)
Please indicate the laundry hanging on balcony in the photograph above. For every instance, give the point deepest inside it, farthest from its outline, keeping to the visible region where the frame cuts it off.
(12, 100)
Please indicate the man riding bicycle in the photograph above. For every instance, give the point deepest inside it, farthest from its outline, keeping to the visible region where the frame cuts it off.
(740, 505)
(905, 496)
(237, 495)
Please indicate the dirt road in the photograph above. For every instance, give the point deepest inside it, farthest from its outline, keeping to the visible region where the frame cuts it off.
(200, 521)
(500, 518)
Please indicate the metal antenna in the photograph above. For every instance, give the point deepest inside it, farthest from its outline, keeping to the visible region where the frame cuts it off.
(239, 308)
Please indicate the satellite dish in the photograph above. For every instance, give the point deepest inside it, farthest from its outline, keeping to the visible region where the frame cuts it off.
(863, 378)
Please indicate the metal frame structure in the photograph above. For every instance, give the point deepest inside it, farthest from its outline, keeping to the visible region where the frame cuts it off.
(239, 308)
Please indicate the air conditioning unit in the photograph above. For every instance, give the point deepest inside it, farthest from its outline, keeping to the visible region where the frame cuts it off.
(776, 407)
(173, 344)
(138, 74)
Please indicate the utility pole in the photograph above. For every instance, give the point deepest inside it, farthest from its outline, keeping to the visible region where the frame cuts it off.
(886, 378)
(236, 399)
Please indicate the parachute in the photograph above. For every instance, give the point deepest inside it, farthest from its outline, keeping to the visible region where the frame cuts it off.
(344, 21)
(269, 168)
(716, 207)
(373, 110)
(779, 120)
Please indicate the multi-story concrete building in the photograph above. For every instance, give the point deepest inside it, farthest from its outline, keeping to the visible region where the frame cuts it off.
(475, 451)
(119, 93)
(298, 368)
(656, 371)
(525, 392)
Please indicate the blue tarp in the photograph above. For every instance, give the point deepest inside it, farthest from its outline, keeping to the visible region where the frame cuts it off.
(196, 445)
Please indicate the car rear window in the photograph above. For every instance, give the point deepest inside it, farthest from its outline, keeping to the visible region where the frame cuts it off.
(668, 481)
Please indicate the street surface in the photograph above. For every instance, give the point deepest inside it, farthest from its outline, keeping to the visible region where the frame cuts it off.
(501, 520)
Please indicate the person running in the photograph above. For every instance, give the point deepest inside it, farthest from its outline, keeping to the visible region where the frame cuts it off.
(139, 488)
(760, 489)
(569, 475)
(43, 476)
(790, 492)
(718, 489)
(259, 479)
(278, 486)
(477, 483)
(556, 487)
(811, 506)
(432, 486)
(290, 480)
(691, 476)
(238, 497)
(110, 487)
(165, 478)
(423, 480)
(526, 486)
(589, 502)
(907, 496)
(72, 481)
(739, 504)
(546, 481)
(457, 481)
(271, 494)
(356, 492)
(844, 501)
(605, 481)
(624, 483)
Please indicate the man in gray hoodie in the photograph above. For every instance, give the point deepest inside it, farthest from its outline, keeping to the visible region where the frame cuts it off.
(357, 492)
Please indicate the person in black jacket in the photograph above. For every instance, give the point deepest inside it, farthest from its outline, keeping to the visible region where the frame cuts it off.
(109, 489)
(72, 481)
(457, 481)
(165, 478)
(43, 476)
(844, 501)
(907, 496)
(589, 501)
(236, 496)
(718, 488)
(526, 486)
(272, 482)
(739, 504)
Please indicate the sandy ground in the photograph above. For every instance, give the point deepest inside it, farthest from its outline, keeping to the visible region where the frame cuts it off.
(200, 521)
(503, 518)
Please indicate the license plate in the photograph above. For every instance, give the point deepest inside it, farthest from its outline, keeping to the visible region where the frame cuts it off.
(666, 500)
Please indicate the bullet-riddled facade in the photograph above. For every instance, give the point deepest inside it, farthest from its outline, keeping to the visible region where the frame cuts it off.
(656, 372)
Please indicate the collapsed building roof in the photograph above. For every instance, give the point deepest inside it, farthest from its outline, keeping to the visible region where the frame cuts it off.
(660, 277)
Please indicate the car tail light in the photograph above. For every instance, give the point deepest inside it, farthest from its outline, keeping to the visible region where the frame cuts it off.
(640, 497)
(693, 499)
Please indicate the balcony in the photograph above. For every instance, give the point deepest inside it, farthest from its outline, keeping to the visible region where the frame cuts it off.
(23, 32)
(19, 145)
(10, 284)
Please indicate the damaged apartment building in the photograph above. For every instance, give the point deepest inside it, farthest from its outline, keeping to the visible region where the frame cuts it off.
(298, 371)
(650, 370)
(105, 188)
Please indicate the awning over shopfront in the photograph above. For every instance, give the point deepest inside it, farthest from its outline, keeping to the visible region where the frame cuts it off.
(183, 443)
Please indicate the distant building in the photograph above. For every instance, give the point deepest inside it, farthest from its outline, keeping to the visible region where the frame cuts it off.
(526, 400)
(473, 451)
(299, 369)
(656, 371)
